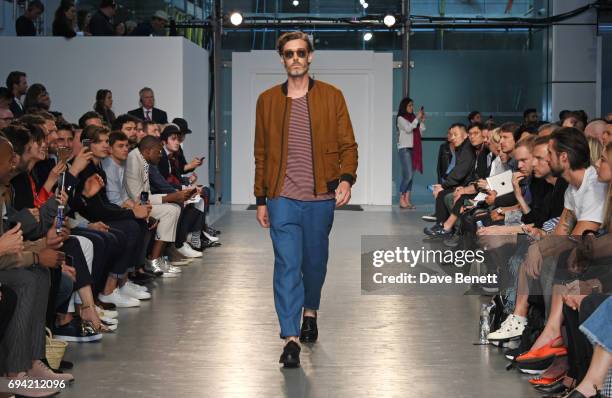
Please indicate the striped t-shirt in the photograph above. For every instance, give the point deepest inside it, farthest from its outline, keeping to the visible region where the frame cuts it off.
(299, 178)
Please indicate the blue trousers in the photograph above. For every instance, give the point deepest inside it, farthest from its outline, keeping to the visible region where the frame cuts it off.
(405, 158)
(300, 237)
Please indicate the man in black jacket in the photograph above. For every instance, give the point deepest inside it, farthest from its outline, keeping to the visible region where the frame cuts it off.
(480, 170)
(147, 112)
(464, 163)
(24, 25)
(17, 83)
(101, 23)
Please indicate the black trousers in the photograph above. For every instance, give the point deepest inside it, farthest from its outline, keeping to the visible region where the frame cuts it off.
(72, 248)
(8, 302)
(108, 247)
(442, 212)
(456, 210)
(132, 232)
(191, 220)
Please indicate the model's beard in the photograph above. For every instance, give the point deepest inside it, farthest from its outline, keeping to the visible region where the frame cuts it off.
(299, 72)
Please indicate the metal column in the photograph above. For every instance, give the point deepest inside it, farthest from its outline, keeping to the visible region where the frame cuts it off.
(216, 132)
(406, 48)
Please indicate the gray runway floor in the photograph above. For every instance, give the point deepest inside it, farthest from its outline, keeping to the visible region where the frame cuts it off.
(213, 332)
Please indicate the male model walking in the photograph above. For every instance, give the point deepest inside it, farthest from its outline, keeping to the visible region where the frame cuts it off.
(305, 165)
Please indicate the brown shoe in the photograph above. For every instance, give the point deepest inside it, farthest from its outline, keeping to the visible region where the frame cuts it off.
(41, 371)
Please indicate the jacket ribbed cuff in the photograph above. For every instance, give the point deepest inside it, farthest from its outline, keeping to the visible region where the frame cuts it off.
(348, 178)
(260, 200)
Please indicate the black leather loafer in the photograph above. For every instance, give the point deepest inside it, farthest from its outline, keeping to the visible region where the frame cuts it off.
(309, 332)
(290, 358)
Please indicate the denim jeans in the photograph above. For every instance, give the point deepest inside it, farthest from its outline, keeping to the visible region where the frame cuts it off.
(300, 237)
(405, 158)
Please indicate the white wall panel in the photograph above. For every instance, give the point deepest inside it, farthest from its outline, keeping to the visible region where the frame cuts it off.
(73, 70)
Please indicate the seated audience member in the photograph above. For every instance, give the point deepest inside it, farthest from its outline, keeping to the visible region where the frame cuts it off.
(100, 23)
(140, 131)
(83, 18)
(147, 111)
(445, 164)
(90, 118)
(464, 163)
(151, 129)
(173, 165)
(37, 97)
(530, 117)
(24, 25)
(104, 105)
(65, 20)
(155, 27)
(166, 207)
(127, 125)
(6, 97)
(474, 118)
(17, 84)
(6, 117)
(547, 129)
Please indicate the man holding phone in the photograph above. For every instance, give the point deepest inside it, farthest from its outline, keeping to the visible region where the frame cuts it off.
(165, 207)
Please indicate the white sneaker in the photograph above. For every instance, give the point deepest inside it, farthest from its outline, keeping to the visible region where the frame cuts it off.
(127, 290)
(137, 287)
(119, 300)
(170, 271)
(210, 237)
(106, 313)
(110, 321)
(511, 328)
(187, 251)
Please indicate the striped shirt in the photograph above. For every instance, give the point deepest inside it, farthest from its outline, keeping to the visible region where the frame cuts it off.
(299, 178)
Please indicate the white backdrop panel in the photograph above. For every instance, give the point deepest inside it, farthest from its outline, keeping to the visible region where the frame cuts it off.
(365, 79)
(73, 70)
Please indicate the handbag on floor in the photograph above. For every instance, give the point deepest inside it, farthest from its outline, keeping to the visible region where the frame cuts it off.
(54, 350)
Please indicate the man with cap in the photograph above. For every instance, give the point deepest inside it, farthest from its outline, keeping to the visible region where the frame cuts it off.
(155, 27)
(101, 23)
(177, 131)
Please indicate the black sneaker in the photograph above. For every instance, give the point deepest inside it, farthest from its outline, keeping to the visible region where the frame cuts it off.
(140, 278)
(431, 230)
(212, 231)
(76, 331)
(438, 231)
(309, 332)
(290, 358)
(452, 241)
(431, 217)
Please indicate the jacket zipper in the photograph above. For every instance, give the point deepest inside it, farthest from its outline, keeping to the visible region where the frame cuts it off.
(280, 165)
(314, 177)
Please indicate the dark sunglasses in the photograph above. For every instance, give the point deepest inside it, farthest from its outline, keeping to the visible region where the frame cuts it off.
(290, 53)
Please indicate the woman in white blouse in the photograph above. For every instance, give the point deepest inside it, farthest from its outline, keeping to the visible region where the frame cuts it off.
(409, 127)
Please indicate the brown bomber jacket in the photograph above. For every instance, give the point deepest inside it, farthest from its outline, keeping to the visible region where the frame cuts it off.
(334, 150)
